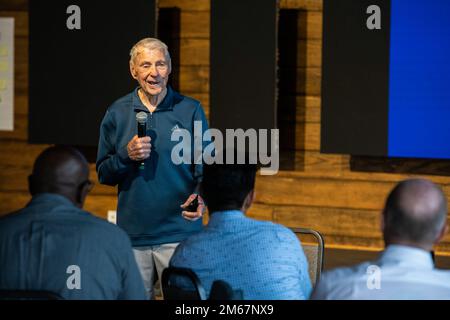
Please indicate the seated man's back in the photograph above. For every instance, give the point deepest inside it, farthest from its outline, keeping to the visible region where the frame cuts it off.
(414, 219)
(263, 259)
(53, 245)
(400, 273)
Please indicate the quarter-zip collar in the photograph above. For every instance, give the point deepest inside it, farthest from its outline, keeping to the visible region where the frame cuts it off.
(167, 103)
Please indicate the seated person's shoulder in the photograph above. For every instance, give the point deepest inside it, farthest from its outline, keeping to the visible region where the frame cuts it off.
(8, 220)
(99, 227)
(82, 224)
(277, 231)
(346, 275)
(338, 283)
(442, 273)
(193, 240)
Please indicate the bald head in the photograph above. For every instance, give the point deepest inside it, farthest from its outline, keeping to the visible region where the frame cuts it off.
(59, 170)
(415, 212)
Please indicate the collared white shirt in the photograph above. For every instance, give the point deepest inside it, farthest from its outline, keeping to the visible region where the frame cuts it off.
(400, 273)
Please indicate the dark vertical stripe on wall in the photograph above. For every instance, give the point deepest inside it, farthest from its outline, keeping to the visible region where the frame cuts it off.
(169, 31)
(355, 81)
(76, 74)
(243, 64)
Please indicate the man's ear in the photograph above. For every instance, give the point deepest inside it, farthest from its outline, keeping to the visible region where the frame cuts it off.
(133, 71)
(81, 195)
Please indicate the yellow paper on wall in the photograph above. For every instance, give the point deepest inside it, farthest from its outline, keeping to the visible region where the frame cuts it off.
(2, 84)
(3, 51)
(4, 66)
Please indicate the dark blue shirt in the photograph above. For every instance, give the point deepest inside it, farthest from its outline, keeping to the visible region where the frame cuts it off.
(149, 200)
(53, 245)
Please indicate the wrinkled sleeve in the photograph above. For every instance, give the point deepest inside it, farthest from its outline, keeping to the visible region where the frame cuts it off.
(112, 160)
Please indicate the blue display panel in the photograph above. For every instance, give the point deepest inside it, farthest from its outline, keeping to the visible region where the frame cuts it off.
(419, 79)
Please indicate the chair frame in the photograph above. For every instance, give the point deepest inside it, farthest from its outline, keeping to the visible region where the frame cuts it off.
(321, 242)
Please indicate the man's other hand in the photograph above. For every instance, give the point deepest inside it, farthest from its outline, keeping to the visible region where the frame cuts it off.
(193, 216)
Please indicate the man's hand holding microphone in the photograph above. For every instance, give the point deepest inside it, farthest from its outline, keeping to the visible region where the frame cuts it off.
(139, 148)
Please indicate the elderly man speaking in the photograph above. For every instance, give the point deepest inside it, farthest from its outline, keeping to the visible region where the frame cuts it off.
(153, 192)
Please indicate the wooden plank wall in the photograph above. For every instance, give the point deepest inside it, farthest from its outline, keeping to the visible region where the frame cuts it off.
(319, 192)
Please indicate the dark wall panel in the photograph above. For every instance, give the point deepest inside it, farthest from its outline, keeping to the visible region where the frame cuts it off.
(355, 79)
(76, 74)
(243, 64)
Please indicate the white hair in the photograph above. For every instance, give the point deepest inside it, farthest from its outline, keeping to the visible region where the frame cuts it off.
(150, 44)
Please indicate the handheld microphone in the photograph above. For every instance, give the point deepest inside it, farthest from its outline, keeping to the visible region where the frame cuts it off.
(192, 207)
(141, 119)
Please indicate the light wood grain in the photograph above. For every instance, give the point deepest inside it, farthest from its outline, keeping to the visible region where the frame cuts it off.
(310, 5)
(186, 5)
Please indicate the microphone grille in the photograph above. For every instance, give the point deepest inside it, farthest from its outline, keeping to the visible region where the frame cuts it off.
(141, 117)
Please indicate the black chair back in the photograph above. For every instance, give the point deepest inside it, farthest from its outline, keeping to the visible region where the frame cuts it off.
(221, 290)
(173, 282)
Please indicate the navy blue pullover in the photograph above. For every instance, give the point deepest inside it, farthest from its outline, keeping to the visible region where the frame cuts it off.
(149, 200)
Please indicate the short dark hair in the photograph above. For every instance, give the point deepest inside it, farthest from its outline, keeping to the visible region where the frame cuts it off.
(225, 186)
(400, 223)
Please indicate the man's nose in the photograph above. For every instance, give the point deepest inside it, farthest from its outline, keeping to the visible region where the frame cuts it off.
(153, 71)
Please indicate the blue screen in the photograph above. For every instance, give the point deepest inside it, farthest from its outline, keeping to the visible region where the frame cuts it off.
(419, 79)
